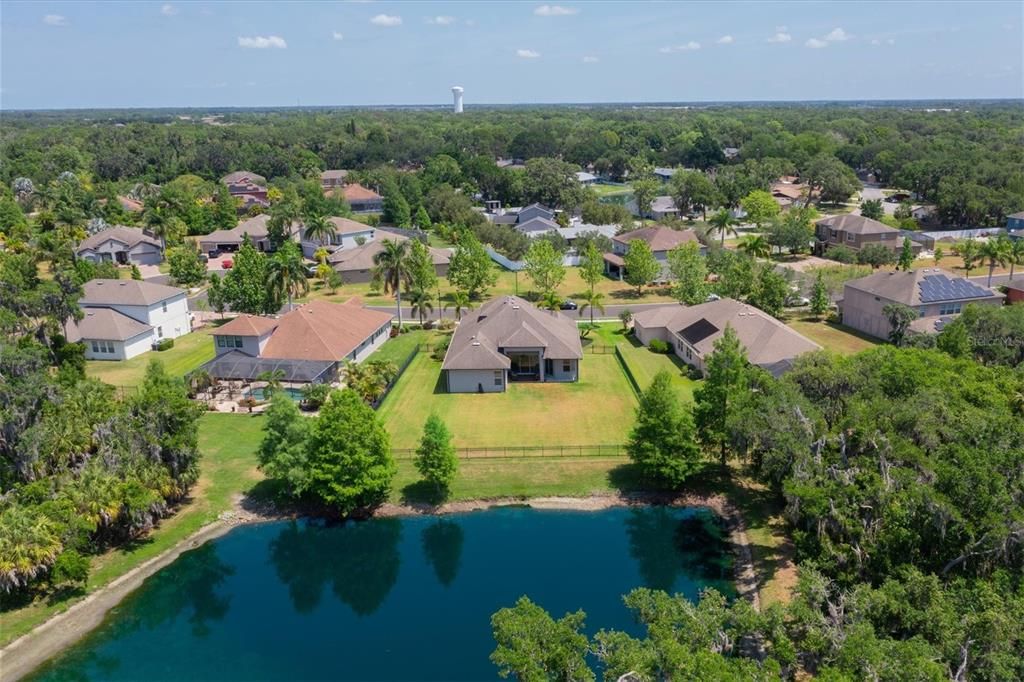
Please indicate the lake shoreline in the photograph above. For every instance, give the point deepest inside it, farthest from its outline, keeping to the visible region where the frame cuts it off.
(31, 650)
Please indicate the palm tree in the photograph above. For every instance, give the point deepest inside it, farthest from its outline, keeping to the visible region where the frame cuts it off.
(422, 303)
(286, 273)
(755, 246)
(1016, 254)
(592, 299)
(271, 381)
(996, 252)
(460, 302)
(319, 228)
(724, 223)
(32, 543)
(392, 270)
(551, 301)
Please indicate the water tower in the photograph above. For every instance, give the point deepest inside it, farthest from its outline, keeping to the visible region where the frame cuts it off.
(457, 94)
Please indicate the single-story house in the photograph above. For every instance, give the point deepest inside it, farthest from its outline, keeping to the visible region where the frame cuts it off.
(308, 344)
(786, 194)
(660, 239)
(124, 318)
(230, 240)
(1015, 291)
(665, 174)
(1015, 223)
(509, 339)
(935, 294)
(361, 199)
(538, 225)
(121, 245)
(356, 264)
(331, 179)
(586, 179)
(348, 234)
(662, 207)
(692, 331)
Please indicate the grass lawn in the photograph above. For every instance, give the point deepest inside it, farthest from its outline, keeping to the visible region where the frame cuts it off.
(644, 363)
(189, 352)
(572, 287)
(228, 468)
(597, 410)
(610, 190)
(397, 349)
(829, 335)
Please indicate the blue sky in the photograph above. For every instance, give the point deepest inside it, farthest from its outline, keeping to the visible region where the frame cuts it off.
(177, 53)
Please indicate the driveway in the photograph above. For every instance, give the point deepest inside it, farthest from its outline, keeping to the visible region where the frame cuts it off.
(871, 191)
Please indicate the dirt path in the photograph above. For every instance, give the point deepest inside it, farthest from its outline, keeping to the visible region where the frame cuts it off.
(29, 651)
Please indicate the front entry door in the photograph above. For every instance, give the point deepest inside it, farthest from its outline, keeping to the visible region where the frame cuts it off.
(549, 368)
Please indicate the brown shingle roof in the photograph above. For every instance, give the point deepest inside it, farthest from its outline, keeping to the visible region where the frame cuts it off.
(126, 292)
(511, 322)
(320, 330)
(255, 227)
(247, 325)
(856, 224)
(348, 226)
(356, 192)
(768, 342)
(659, 238)
(905, 286)
(105, 324)
(334, 175)
(242, 176)
(129, 236)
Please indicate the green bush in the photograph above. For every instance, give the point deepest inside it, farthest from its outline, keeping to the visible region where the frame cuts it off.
(164, 344)
(694, 373)
(440, 348)
(70, 568)
(659, 346)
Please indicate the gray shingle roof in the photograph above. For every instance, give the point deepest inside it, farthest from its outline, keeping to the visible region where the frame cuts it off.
(856, 224)
(537, 225)
(105, 324)
(510, 322)
(126, 292)
(129, 236)
(659, 238)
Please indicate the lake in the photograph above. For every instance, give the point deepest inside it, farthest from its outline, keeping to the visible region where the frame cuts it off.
(394, 598)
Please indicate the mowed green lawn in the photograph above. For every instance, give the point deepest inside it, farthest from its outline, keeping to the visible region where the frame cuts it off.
(597, 410)
(644, 363)
(829, 335)
(189, 352)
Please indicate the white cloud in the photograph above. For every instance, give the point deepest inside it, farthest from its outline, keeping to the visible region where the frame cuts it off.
(386, 20)
(555, 11)
(815, 43)
(875, 41)
(890, 41)
(441, 20)
(168, 10)
(780, 37)
(262, 42)
(55, 20)
(337, 35)
(686, 47)
(725, 40)
(837, 35)
(590, 59)
(527, 54)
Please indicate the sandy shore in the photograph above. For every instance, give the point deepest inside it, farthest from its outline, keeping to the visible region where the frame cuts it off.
(31, 650)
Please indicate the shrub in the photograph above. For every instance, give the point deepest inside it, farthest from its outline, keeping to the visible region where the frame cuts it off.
(70, 568)
(659, 346)
(164, 344)
(694, 373)
(446, 324)
(315, 395)
(843, 254)
(440, 348)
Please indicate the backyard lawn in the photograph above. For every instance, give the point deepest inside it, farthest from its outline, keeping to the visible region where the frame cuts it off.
(189, 352)
(829, 335)
(597, 410)
(644, 363)
(572, 287)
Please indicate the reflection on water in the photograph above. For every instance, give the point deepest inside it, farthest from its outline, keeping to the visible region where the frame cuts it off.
(442, 546)
(359, 560)
(395, 599)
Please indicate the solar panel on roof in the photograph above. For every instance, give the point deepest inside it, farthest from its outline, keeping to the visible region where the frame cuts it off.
(936, 288)
(698, 331)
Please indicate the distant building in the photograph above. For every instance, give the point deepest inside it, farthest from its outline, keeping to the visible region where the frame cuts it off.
(121, 245)
(457, 99)
(229, 241)
(356, 264)
(937, 296)
(1015, 292)
(362, 199)
(248, 188)
(586, 179)
(1015, 224)
(123, 318)
(691, 332)
(660, 239)
(665, 174)
(331, 179)
(856, 232)
(348, 234)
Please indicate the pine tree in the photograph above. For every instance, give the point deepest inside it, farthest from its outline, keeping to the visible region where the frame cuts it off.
(906, 255)
(725, 381)
(435, 457)
(820, 300)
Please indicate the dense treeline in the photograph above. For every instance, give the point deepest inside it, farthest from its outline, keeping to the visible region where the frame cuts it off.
(80, 468)
(969, 162)
(902, 476)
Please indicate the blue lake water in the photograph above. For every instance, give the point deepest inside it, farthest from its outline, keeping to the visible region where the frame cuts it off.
(390, 599)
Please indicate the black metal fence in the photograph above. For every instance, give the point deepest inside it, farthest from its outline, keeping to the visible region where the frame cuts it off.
(526, 451)
(628, 372)
(599, 349)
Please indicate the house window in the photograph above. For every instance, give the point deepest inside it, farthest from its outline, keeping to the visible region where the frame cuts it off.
(849, 237)
(566, 366)
(949, 308)
(920, 311)
(221, 342)
(165, 306)
(159, 332)
(229, 341)
(498, 377)
(95, 347)
(102, 346)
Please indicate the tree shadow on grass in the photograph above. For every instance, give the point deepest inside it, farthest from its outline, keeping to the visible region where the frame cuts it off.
(423, 493)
